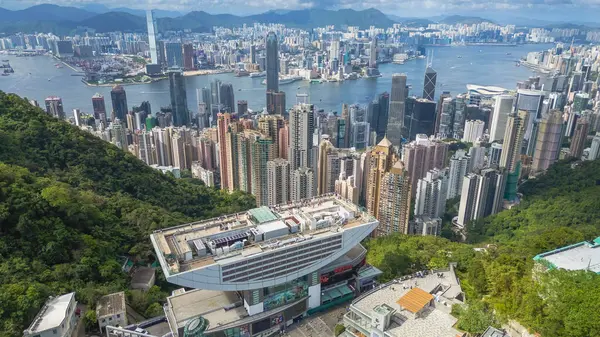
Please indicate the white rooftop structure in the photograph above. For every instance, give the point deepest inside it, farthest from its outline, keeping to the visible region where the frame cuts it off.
(430, 319)
(54, 317)
(580, 256)
(262, 247)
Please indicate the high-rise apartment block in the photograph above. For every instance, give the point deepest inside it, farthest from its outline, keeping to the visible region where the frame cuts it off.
(481, 195)
(431, 194)
(381, 160)
(473, 131)
(422, 155)
(548, 142)
(579, 137)
(278, 181)
(394, 201)
(54, 107)
(459, 165)
(503, 106)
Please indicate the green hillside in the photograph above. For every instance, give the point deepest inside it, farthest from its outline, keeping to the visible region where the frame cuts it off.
(559, 208)
(71, 205)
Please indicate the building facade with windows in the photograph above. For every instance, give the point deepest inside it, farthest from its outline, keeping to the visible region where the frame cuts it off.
(267, 267)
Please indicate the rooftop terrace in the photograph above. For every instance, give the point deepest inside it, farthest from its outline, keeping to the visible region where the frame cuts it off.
(418, 318)
(580, 256)
(237, 236)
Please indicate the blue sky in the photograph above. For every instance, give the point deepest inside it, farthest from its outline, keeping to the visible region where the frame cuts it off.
(551, 10)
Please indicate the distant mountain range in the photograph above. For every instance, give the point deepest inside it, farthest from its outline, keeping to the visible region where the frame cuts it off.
(63, 20)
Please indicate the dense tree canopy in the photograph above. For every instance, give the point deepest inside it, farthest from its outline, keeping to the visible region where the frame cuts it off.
(558, 209)
(72, 205)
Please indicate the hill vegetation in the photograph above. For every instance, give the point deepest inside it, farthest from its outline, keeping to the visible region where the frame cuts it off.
(65, 20)
(73, 206)
(558, 209)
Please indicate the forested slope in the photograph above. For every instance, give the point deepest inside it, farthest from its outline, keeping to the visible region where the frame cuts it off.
(559, 208)
(71, 205)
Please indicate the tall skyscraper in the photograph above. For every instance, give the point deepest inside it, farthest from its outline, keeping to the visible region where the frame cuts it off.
(439, 110)
(227, 98)
(272, 62)
(174, 54)
(359, 127)
(459, 163)
(530, 101)
(324, 180)
(503, 105)
(429, 84)
(261, 155)
(270, 125)
(513, 140)
(54, 107)
(548, 142)
(152, 36)
(223, 121)
(422, 155)
(373, 53)
(276, 103)
(579, 137)
(98, 106)
(242, 108)
(594, 148)
(119, 102)
(394, 201)
(181, 115)
(188, 57)
(396, 110)
(303, 184)
(422, 119)
(378, 115)
(431, 194)
(481, 195)
(301, 126)
(510, 158)
(473, 131)
(381, 160)
(278, 181)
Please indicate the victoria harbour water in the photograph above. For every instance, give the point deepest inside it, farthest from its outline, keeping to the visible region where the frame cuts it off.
(37, 77)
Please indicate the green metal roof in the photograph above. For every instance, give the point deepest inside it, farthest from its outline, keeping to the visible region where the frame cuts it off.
(262, 214)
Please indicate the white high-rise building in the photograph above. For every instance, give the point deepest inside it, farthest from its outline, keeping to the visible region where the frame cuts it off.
(302, 184)
(301, 126)
(594, 152)
(481, 195)
(502, 108)
(152, 36)
(459, 164)
(431, 194)
(473, 131)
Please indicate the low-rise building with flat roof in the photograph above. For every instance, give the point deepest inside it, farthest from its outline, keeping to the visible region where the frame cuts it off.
(143, 278)
(414, 306)
(580, 256)
(56, 318)
(111, 310)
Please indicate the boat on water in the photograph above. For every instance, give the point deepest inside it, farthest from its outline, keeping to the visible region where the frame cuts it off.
(5, 74)
(241, 73)
(459, 56)
(286, 79)
(508, 53)
(259, 74)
